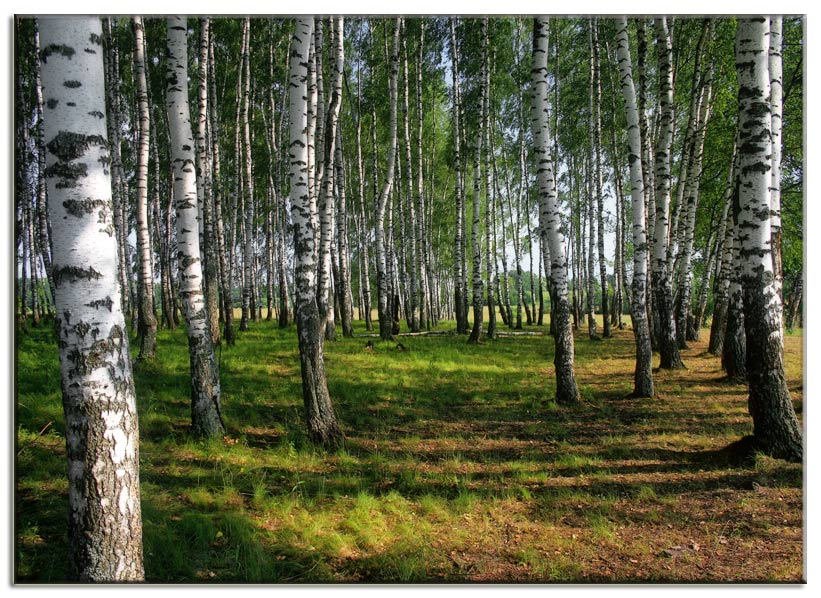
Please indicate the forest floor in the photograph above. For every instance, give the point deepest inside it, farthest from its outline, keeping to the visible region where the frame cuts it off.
(458, 467)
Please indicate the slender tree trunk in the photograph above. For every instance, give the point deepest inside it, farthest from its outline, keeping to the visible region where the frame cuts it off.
(326, 198)
(490, 216)
(796, 297)
(775, 427)
(145, 287)
(322, 425)
(43, 228)
(694, 180)
(549, 216)
(662, 285)
(366, 304)
(591, 239)
(643, 377)
(460, 264)
(248, 244)
(344, 282)
(206, 419)
(382, 281)
(478, 286)
(722, 286)
(102, 439)
(776, 108)
(411, 221)
(227, 303)
(596, 124)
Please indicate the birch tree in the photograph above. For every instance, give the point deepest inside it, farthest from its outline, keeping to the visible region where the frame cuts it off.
(145, 286)
(643, 379)
(775, 427)
(206, 418)
(549, 218)
(102, 440)
(459, 263)
(321, 419)
(382, 262)
(662, 284)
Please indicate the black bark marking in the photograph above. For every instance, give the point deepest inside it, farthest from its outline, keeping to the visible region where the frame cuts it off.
(74, 273)
(67, 173)
(72, 84)
(95, 39)
(96, 113)
(59, 49)
(67, 146)
(83, 207)
(52, 103)
(98, 303)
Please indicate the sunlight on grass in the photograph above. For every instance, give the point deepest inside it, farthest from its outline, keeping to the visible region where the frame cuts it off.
(458, 465)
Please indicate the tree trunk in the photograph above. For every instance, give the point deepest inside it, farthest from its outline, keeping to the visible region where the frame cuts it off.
(596, 147)
(549, 217)
(102, 439)
(206, 419)
(775, 426)
(145, 287)
(227, 302)
(382, 281)
(343, 284)
(776, 108)
(478, 285)
(366, 304)
(662, 285)
(460, 264)
(643, 378)
(43, 228)
(321, 419)
(724, 269)
(248, 195)
(326, 204)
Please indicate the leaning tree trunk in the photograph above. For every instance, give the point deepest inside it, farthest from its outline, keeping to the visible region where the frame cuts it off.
(724, 265)
(322, 425)
(102, 439)
(643, 378)
(734, 347)
(145, 287)
(775, 427)
(549, 217)
(662, 285)
(206, 419)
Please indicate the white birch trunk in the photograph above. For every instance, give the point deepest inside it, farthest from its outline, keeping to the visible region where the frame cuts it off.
(549, 216)
(662, 285)
(102, 440)
(643, 377)
(322, 426)
(206, 419)
(775, 427)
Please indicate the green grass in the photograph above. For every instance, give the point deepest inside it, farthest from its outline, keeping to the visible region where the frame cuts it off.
(458, 466)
